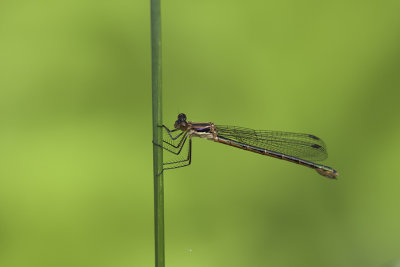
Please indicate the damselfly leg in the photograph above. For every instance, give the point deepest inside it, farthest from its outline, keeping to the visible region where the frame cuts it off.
(168, 131)
(180, 163)
(175, 145)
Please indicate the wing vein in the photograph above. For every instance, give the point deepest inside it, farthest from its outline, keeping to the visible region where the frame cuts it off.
(300, 145)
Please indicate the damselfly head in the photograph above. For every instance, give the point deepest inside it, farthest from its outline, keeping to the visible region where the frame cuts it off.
(181, 123)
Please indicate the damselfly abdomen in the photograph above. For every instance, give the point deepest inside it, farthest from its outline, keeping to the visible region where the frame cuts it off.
(298, 148)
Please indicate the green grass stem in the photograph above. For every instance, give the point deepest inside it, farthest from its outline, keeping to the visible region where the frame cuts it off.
(157, 133)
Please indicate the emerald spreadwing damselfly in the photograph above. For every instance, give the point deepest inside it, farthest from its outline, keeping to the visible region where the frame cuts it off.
(297, 148)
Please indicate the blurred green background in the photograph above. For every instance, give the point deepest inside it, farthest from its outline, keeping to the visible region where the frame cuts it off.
(76, 181)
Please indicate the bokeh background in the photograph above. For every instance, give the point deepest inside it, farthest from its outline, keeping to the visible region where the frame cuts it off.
(76, 181)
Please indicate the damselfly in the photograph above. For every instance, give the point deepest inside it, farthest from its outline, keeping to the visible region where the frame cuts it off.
(298, 148)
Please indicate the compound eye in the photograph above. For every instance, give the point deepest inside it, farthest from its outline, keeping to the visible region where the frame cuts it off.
(182, 117)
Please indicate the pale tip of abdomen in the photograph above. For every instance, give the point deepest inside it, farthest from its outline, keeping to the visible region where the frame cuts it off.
(329, 173)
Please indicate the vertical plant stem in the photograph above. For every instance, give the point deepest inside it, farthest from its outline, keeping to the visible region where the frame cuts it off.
(157, 133)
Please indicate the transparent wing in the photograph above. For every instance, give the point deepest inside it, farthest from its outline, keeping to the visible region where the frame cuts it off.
(303, 146)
